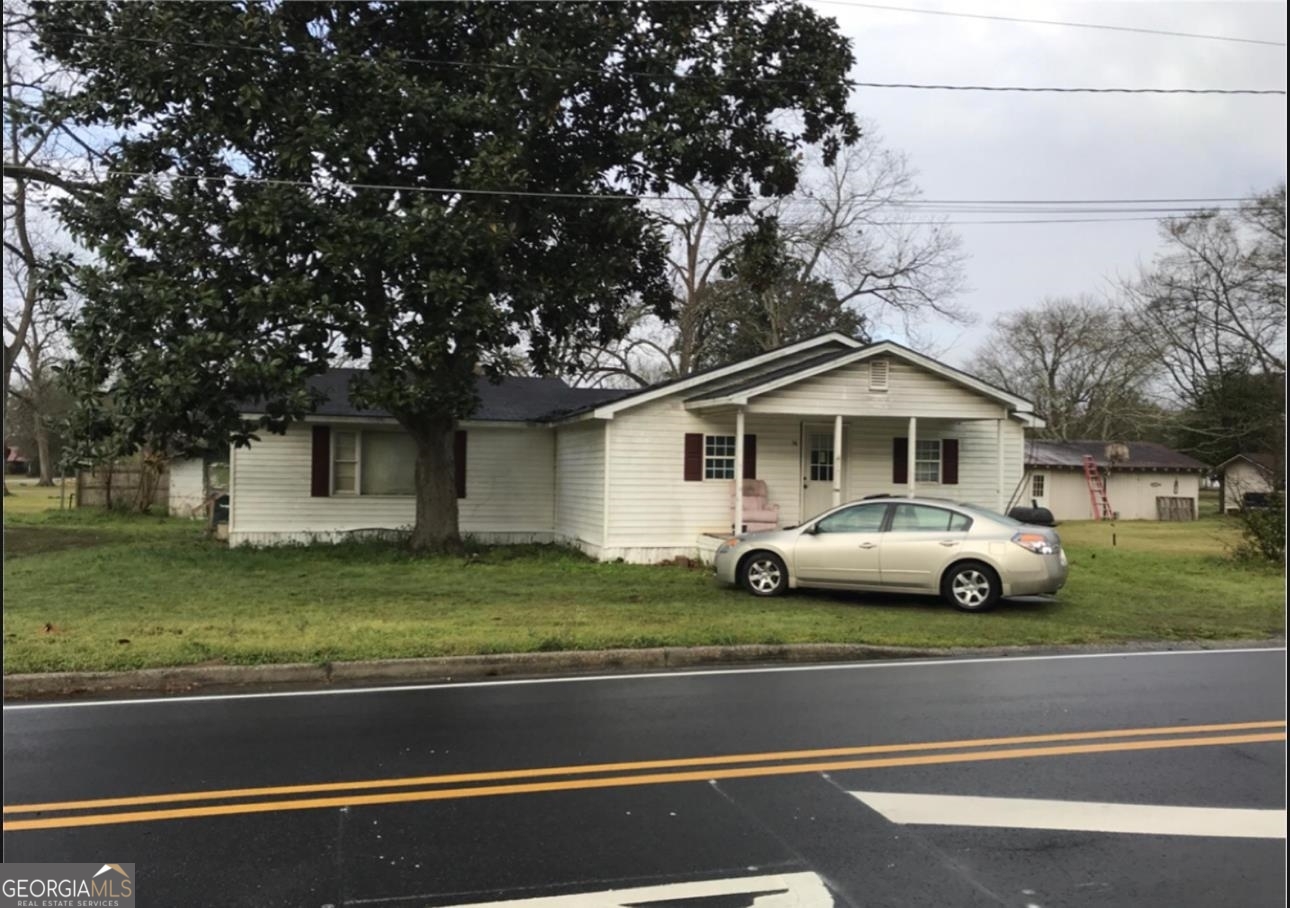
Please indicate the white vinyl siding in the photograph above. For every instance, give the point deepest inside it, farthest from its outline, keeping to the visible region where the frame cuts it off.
(911, 391)
(580, 482)
(509, 490)
(1132, 494)
(651, 504)
(187, 497)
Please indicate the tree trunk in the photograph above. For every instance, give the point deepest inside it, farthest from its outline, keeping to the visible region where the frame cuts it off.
(436, 516)
(42, 452)
(4, 466)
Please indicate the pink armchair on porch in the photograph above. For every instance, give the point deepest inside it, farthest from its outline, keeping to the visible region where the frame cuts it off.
(759, 513)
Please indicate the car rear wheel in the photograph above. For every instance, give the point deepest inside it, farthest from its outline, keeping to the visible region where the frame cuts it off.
(971, 586)
(764, 574)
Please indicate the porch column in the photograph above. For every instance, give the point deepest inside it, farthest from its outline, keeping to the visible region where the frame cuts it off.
(910, 457)
(998, 448)
(837, 460)
(739, 470)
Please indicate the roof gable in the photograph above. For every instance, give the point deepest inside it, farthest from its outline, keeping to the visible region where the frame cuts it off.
(741, 392)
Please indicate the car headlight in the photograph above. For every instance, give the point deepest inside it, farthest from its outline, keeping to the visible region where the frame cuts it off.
(1035, 542)
(728, 544)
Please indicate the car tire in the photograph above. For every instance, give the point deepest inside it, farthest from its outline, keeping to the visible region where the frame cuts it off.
(971, 586)
(763, 574)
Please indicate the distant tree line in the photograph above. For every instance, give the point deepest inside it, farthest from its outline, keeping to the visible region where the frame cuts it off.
(1190, 352)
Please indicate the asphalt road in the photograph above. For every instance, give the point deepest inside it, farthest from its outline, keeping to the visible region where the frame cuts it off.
(776, 784)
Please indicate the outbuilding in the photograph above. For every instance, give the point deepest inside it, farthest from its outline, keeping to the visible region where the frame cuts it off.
(1252, 474)
(1142, 480)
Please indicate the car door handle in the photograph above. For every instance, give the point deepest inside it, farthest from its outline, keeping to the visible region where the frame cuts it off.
(949, 542)
(868, 545)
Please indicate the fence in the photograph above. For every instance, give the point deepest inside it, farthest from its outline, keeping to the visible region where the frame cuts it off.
(119, 485)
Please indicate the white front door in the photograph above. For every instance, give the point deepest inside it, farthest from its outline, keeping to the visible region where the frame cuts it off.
(818, 464)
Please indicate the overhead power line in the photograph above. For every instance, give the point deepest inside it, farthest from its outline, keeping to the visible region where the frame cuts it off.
(672, 76)
(923, 207)
(1093, 25)
(1077, 89)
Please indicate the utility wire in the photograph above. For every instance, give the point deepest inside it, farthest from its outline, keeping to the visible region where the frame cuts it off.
(1164, 212)
(463, 64)
(1114, 28)
(628, 197)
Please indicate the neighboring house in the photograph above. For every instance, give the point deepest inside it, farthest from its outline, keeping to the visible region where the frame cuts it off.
(649, 475)
(1152, 483)
(194, 481)
(1249, 474)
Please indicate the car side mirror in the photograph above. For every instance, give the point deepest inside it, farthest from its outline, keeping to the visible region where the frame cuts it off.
(812, 529)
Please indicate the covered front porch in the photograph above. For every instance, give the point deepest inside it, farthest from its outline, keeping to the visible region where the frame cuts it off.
(792, 466)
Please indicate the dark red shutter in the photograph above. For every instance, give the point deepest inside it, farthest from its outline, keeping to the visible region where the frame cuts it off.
(950, 461)
(900, 461)
(750, 457)
(320, 475)
(693, 456)
(459, 461)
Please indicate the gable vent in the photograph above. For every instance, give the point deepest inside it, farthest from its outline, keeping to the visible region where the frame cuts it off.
(878, 375)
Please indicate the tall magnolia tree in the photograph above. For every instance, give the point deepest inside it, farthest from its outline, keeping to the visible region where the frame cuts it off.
(297, 175)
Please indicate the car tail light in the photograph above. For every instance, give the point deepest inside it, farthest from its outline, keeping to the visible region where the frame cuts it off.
(1035, 542)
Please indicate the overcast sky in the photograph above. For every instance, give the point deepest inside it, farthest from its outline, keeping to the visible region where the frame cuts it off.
(981, 145)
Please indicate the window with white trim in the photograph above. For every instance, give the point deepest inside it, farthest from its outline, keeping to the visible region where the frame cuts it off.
(718, 457)
(373, 462)
(1037, 486)
(927, 461)
(344, 463)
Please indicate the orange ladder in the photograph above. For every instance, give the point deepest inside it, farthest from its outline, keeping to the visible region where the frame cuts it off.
(1096, 490)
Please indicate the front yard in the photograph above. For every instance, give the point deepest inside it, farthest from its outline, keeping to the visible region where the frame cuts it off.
(89, 590)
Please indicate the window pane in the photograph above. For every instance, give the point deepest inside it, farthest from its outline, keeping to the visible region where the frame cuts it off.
(343, 474)
(927, 472)
(919, 518)
(865, 518)
(389, 464)
(960, 522)
(1037, 487)
(927, 450)
(821, 464)
(344, 446)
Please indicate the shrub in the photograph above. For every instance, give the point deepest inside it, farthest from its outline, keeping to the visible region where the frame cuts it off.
(1263, 531)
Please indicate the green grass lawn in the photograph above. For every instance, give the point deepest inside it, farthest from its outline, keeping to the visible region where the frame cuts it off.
(91, 590)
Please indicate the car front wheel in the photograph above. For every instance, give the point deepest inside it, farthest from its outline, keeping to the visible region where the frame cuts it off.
(971, 587)
(764, 574)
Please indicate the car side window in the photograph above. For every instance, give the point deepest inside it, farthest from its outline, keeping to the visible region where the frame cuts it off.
(863, 518)
(960, 523)
(915, 518)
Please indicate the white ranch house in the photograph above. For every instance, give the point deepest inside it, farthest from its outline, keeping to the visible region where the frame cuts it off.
(649, 475)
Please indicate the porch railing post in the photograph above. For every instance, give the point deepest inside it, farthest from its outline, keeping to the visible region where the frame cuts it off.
(739, 470)
(911, 457)
(837, 460)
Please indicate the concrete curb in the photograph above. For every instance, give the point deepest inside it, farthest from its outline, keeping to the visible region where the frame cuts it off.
(226, 678)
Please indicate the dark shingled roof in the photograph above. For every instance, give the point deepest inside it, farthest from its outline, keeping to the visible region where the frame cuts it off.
(518, 399)
(1143, 455)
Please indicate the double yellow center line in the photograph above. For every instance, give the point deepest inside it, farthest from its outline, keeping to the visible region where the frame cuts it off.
(108, 811)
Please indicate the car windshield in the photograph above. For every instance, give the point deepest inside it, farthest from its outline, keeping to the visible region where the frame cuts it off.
(991, 515)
